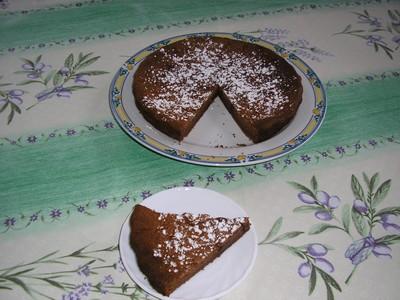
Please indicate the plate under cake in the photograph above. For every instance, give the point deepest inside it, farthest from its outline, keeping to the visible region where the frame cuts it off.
(171, 248)
(175, 85)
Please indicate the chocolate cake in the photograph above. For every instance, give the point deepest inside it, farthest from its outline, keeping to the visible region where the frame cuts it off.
(175, 85)
(171, 248)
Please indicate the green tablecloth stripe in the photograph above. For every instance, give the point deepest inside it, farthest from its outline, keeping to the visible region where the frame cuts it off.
(359, 112)
(108, 162)
(44, 26)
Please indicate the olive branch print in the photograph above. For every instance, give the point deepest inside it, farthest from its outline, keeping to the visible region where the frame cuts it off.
(364, 215)
(59, 82)
(372, 31)
(314, 264)
(300, 47)
(10, 98)
(323, 206)
(30, 279)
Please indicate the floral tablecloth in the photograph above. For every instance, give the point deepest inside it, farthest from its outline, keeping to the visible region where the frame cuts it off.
(327, 215)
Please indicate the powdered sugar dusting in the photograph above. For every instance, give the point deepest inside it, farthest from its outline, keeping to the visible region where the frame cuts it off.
(186, 78)
(192, 236)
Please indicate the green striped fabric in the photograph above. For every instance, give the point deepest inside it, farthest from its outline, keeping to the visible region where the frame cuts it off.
(44, 26)
(105, 163)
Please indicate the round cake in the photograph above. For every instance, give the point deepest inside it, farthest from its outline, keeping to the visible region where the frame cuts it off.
(175, 85)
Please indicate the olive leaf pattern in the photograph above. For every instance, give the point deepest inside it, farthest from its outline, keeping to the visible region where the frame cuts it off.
(59, 82)
(10, 100)
(299, 46)
(382, 35)
(92, 276)
(324, 207)
(314, 265)
(364, 215)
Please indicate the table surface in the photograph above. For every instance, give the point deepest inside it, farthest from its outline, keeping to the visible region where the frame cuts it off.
(327, 215)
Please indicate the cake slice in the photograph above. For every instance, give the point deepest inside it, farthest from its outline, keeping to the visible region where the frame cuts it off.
(171, 248)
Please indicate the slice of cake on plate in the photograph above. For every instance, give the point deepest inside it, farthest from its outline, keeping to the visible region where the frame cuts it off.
(171, 248)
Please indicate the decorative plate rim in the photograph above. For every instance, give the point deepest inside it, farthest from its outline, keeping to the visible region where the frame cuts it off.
(136, 133)
(235, 206)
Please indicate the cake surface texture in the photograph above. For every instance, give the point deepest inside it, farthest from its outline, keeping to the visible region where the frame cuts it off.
(175, 85)
(172, 248)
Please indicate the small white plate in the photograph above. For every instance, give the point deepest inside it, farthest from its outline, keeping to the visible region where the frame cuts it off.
(225, 272)
(216, 139)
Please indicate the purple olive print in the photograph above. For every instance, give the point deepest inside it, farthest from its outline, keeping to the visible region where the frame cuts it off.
(306, 198)
(324, 264)
(323, 215)
(304, 270)
(360, 206)
(391, 222)
(317, 250)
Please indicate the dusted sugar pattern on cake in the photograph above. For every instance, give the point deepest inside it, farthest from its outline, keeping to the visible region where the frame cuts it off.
(236, 72)
(192, 237)
(171, 248)
(175, 85)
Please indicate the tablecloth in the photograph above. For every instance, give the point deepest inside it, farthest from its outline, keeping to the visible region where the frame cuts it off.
(327, 215)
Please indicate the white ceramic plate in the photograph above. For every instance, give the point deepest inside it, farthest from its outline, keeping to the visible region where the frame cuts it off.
(216, 139)
(225, 272)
